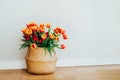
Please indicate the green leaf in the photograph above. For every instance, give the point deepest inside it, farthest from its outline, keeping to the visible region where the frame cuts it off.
(55, 45)
(23, 40)
(46, 41)
(49, 30)
(45, 50)
(49, 50)
(35, 32)
(21, 47)
(31, 39)
(39, 34)
(53, 50)
(24, 45)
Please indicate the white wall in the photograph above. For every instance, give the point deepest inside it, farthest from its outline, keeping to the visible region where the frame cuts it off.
(92, 25)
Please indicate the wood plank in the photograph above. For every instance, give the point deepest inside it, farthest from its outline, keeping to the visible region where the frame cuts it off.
(110, 72)
(10, 74)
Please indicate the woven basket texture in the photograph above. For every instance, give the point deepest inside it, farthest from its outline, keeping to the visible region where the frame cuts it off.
(39, 63)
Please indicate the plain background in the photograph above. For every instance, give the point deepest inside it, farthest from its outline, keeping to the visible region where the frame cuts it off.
(93, 27)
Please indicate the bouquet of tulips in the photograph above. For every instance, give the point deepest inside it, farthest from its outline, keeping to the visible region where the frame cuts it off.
(42, 36)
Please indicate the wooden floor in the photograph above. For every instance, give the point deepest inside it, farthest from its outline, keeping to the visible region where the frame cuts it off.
(67, 73)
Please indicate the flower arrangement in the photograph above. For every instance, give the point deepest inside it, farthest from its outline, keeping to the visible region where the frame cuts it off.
(43, 36)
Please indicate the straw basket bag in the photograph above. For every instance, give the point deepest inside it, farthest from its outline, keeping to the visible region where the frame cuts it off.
(39, 63)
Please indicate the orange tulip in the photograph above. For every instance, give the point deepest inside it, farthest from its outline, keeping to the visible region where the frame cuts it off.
(58, 28)
(28, 32)
(44, 36)
(51, 36)
(56, 31)
(31, 24)
(57, 38)
(34, 28)
(62, 31)
(41, 29)
(24, 30)
(47, 25)
(41, 25)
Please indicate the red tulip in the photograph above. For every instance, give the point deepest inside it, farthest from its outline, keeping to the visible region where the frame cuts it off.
(63, 46)
(33, 45)
(27, 37)
(35, 38)
(40, 40)
(65, 36)
(46, 33)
